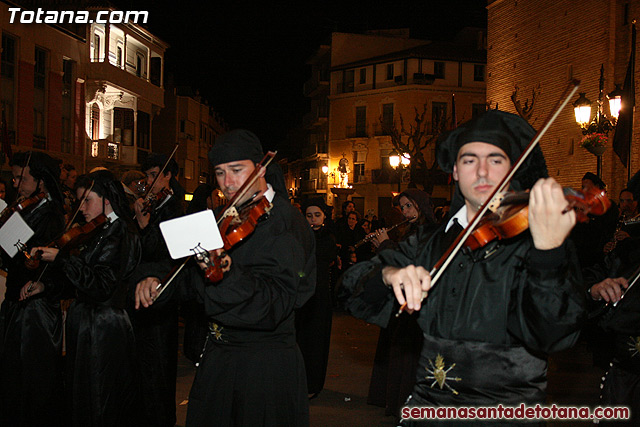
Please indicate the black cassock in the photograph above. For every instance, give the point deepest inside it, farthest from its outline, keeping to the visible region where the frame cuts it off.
(487, 323)
(621, 325)
(313, 320)
(31, 334)
(156, 327)
(251, 372)
(101, 372)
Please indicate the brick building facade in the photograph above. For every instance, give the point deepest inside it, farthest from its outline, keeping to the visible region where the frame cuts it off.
(538, 47)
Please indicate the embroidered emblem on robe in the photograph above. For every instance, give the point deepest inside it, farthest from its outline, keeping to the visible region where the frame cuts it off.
(438, 374)
(634, 345)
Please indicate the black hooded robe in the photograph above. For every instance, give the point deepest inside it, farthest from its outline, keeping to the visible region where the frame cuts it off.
(251, 372)
(31, 333)
(156, 327)
(101, 371)
(492, 317)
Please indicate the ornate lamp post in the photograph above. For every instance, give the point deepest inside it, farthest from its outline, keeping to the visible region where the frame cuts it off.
(596, 129)
(399, 162)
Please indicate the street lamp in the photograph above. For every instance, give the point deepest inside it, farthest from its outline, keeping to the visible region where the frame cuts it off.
(399, 162)
(600, 123)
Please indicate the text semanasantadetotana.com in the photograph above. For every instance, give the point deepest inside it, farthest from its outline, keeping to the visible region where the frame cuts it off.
(522, 412)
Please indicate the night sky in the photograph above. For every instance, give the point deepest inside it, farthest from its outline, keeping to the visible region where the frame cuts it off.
(248, 58)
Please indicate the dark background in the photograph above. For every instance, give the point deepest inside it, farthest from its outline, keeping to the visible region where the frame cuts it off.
(248, 58)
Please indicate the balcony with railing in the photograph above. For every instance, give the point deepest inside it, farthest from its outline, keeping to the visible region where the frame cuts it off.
(313, 185)
(379, 130)
(317, 116)
(318, 81)
(315, 148)
(362, 131)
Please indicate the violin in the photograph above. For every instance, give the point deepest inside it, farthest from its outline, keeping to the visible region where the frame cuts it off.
(70, 240)
(512, 215)
(151, 200)
(20, 205)
(235, 229)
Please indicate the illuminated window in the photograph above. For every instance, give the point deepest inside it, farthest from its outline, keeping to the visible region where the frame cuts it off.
(113, 150)
(123, 126)
(95, 123)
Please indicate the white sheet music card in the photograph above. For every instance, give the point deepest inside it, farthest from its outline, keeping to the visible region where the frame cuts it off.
(185, 233)
(14, 233)
(3, 205)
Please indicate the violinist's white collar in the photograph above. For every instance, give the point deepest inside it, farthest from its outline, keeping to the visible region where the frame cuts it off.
(112, 216)
(461, 216)
(269, 193)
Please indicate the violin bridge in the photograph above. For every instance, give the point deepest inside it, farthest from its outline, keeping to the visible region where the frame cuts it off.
(230, 212)
(495, 202)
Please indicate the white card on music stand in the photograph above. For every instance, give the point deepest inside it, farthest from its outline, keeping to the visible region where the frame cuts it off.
(3, 205)
(184, 234)
(13, 233)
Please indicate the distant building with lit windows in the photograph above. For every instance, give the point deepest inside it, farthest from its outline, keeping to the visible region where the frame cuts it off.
(373, 79)
(84, 93)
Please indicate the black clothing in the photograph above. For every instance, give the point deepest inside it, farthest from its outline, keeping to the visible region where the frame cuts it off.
(31, 333)
(621, 326)
(398, 349)
(101, 374)
(313, 320)
(251, 372)
(494, 313)
(347, 238)
(156, 327)
(590, 237)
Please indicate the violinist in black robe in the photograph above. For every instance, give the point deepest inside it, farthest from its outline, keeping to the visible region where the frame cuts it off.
(101, 370)
(251, 372)
(31, 331)
(400, 343)
(496, 312)
(607, 283)
(313, 320)
(157, 329)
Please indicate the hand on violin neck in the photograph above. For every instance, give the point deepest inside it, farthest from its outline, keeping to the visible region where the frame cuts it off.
(549, 221)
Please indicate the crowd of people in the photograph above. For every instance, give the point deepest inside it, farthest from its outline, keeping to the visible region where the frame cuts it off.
(89, 329)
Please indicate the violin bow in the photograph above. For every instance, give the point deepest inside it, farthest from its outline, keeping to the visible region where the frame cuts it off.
(444, 261)
(85, 193)
(162, 170)
(633, 279)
